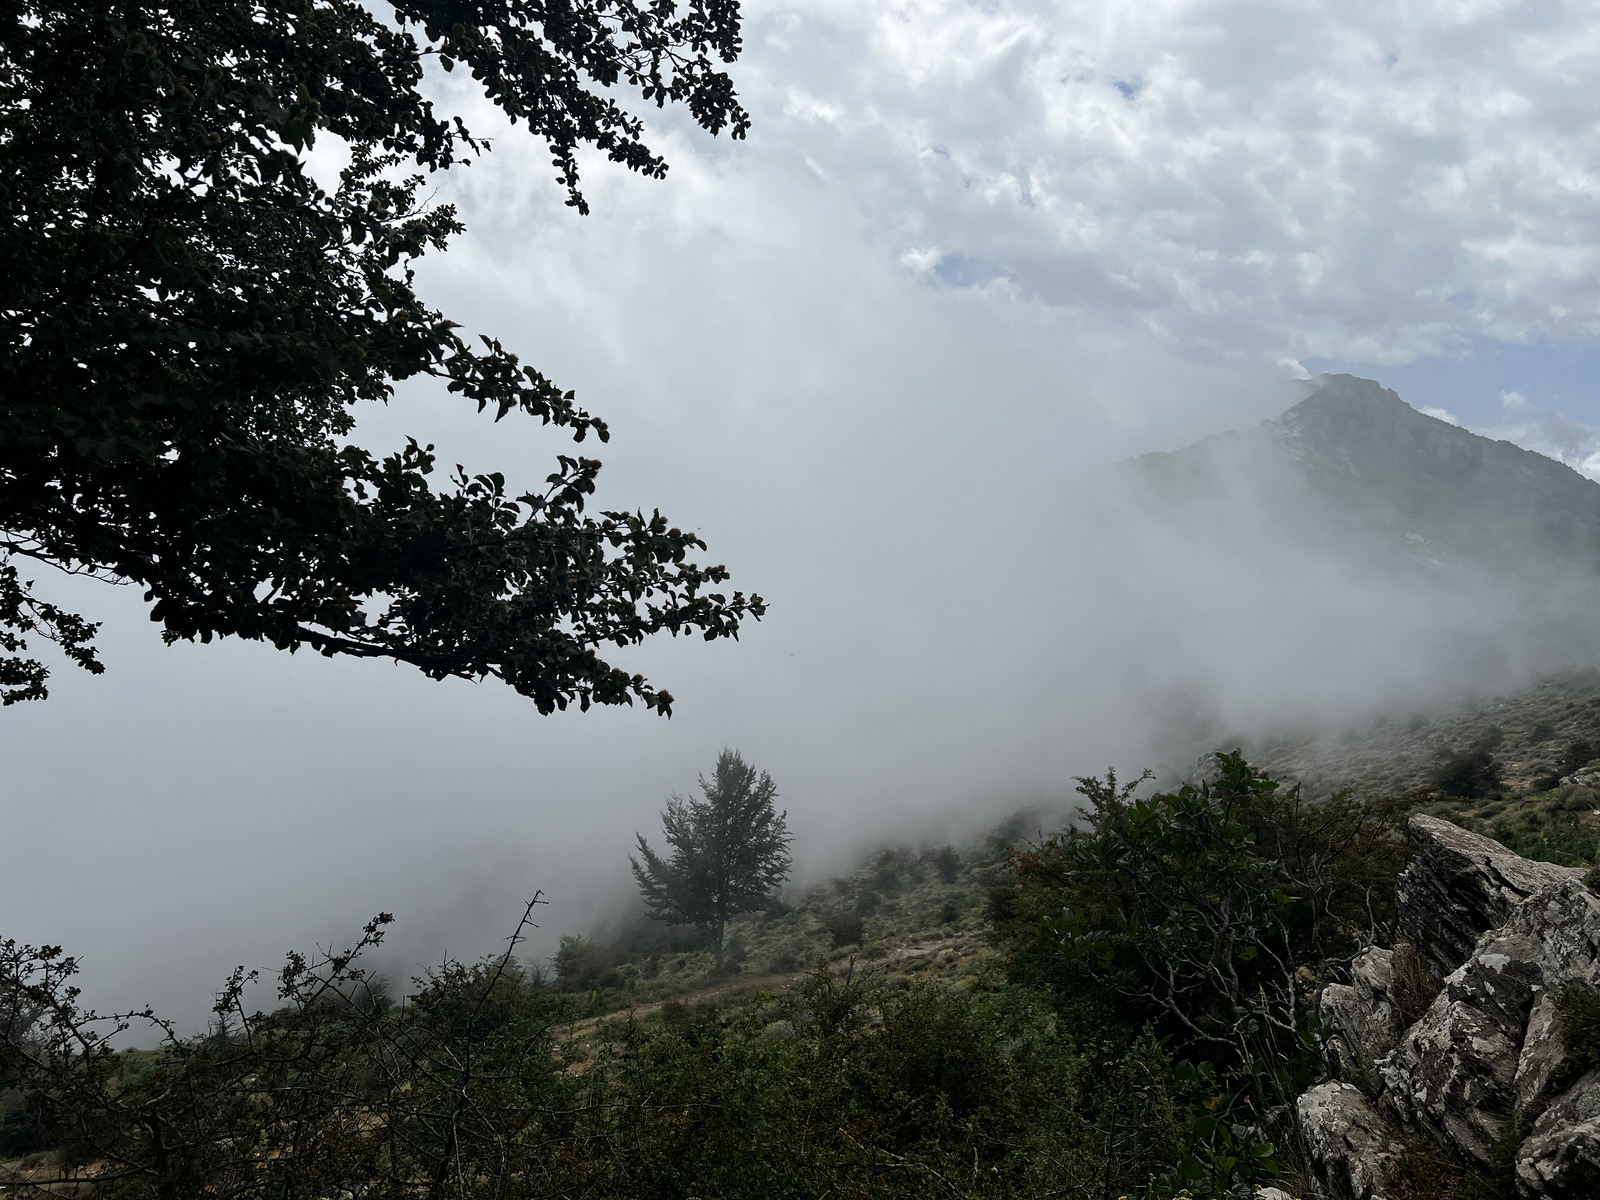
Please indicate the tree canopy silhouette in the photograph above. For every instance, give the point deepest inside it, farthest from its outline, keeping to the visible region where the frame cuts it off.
(189, 323)
(729, 850)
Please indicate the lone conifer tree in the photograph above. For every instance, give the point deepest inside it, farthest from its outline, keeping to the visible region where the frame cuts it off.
(729, 850)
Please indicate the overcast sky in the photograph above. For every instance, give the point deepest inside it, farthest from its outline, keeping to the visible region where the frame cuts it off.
(970, 253)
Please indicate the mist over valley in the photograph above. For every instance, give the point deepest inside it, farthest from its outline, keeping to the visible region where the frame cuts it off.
(765, 600)
(1344, 566)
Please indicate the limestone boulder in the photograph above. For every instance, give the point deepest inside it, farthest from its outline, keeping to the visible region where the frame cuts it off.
(1544, 1052)
(1363, 1014)
(1491, 1041)
(1455, 1071)
(1354, 1147)
(1490, 1056)
(1460, 886)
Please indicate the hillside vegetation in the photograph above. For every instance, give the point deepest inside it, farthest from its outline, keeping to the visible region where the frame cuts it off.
(1529, 735)
(905, 913)
(1122, 1006)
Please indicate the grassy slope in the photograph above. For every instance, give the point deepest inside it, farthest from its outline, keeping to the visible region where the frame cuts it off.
(918, 917)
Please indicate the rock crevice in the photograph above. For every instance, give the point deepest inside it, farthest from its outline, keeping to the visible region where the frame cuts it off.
(1477, 1068)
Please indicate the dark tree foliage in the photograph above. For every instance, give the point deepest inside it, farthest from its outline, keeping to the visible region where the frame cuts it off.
(1472, 774)
(581, 965)
(845, 928)
(189, 323)
(1577, 754)
(729, 850)
(1574, 755)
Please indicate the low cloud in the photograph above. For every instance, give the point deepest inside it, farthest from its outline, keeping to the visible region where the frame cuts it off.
(1549, 433)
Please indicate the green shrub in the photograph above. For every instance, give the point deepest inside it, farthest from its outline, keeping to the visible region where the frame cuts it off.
(892, 1089)
(1556, 827)
(845, 928)
(1197, 910)
(1472, 774)
(583, 966)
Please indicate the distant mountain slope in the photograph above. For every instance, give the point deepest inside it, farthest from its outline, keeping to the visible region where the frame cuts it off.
(1529, 731)
(1354, 454)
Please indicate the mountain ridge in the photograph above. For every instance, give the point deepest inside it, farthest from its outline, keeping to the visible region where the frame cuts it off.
(1441, 495)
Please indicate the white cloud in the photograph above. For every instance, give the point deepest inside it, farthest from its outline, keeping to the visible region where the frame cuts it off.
(1442, 414)
(1228, 181)
(1362, 180)
(1549, 432)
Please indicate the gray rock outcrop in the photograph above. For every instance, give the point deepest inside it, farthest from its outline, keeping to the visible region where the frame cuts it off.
(1454, 1072)
(1488, 1060)
(1460, 886)
(1364, 1014)
(1354, 1145)
(1544, 1051)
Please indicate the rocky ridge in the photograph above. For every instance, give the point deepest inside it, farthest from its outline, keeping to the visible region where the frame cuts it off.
(1483, 1070)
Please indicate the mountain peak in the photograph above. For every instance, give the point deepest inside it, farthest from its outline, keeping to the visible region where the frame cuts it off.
(1416, 481)
(1335, 393)
(1358, 431)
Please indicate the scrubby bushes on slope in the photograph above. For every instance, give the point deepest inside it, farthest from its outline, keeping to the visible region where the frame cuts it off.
(1207, 912)
(844, 1085)
(1138, 1030)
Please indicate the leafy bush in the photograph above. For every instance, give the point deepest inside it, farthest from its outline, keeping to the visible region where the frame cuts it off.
(583, 966)
(845, 928)
(1579, 1006)
(1472, 774)
(784, 961)
(847, 1085)
(1203, 910)
(336, 1091)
